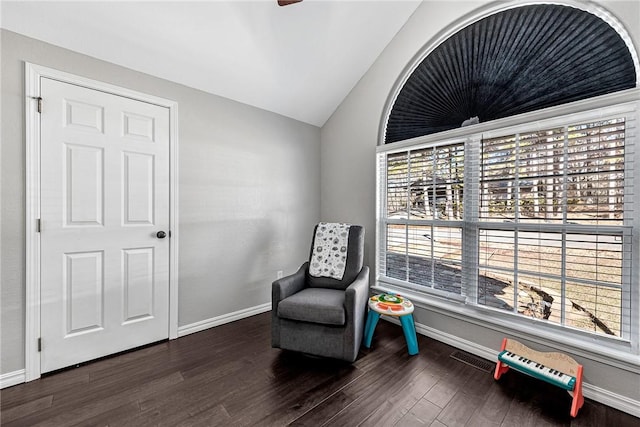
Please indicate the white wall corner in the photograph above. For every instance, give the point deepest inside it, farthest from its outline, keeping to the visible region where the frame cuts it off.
(12, 378)
(221, 320)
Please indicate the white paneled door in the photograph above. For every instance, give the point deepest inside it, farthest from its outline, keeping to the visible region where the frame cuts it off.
(104, 224)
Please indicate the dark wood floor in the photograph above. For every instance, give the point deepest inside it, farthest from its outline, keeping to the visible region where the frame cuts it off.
(230, 376)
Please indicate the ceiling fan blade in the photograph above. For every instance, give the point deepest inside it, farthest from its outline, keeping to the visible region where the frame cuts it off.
(287, 2)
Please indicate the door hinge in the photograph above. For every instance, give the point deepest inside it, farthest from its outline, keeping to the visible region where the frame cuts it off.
(39, 99)
(39, 344)
(38, 225)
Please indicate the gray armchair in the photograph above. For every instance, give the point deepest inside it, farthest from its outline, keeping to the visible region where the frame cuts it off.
(323, 316)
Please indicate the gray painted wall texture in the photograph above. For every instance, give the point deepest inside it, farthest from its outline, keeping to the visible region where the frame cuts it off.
(349, 140)
(249, 185)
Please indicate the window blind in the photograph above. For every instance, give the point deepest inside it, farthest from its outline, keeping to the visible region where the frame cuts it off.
(569, 174)
(552, 238)
(515, 61)
(536, 221)
(424, 202)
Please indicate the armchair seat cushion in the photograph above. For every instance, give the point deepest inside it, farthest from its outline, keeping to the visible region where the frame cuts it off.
(315, 305)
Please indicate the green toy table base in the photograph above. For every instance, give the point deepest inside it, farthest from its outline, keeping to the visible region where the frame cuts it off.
(391, 305)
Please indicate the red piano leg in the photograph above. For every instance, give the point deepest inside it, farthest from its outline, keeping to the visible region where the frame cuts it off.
(578, 398)
(501, 368)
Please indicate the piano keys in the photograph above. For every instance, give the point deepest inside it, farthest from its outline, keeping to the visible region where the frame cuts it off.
(538, 370)
(555, 368)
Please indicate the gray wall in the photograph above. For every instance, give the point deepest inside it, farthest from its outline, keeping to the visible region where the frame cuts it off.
(249, 183)
(349, 142)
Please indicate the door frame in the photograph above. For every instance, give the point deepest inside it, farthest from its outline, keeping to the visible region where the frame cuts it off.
(33, 75)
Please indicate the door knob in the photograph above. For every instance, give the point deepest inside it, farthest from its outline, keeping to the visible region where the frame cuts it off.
(161, 234)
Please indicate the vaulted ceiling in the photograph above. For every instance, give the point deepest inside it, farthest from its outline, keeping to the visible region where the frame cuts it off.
(300, 60)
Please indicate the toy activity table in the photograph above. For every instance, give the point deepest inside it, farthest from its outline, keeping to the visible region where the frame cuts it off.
(391, 305)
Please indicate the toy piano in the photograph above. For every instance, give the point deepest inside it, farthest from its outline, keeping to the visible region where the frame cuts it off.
(555, 368)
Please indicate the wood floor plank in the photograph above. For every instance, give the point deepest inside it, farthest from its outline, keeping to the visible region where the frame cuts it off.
(289, 409)
(26, 392)
(25, 409)
(459, 410)
(591, 415)
(375, 369)
(423, 411)
(114, 401)
(230, 376)
(398, 404)
(326, 410)
(386, 383)
(195, 395)
(527, 408)
(494, 408)
(118, 415)
(441, 393)
(68, 413)
(620, 419)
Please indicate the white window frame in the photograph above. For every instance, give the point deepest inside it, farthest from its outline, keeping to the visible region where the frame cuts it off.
(625, 350)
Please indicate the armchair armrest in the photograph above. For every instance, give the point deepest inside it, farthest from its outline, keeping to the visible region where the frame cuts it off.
(357, 293)
(355, 299)
(280, 289)
(288, 285)
(355, 302)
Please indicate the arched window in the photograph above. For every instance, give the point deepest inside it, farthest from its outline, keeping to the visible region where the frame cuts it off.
(512, 62)
(529, 211)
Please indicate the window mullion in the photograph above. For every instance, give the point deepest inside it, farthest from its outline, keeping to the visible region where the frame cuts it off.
(516, 212)
(516, 180)
(435, 214)
(471, 198)
(382, 214)
(563, 269)
(407, 265)
(630, 284)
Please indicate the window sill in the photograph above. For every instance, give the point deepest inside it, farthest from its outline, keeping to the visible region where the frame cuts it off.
(610, 351)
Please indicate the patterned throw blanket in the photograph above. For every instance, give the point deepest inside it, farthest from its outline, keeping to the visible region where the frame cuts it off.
(329, 256)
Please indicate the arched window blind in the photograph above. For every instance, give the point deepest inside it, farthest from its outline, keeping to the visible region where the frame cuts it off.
(515, 61)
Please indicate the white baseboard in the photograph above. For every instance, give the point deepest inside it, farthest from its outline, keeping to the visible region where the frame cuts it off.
(452, 340)
(12, 378)
(606, 397)
(221, 320)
